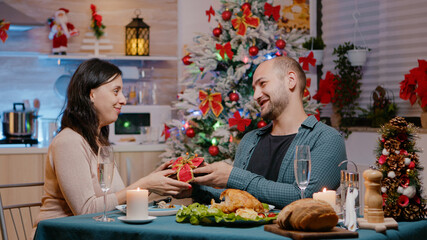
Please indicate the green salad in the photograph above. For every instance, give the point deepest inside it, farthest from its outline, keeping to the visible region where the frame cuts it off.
(197, 213)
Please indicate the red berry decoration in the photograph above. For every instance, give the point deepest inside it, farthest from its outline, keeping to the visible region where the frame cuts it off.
(234, 97)
(190, 132)
(253, 51)
(246, 5)
(213, 150)
(186, 60)
(201, 69)
(226, 15)
(280, 44)
(217, 31)
(261, 124)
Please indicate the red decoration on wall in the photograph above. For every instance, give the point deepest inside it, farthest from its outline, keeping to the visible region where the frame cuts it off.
(307, 60)
(269, 10)
(325, 93)
(241, 123)
(209, 13)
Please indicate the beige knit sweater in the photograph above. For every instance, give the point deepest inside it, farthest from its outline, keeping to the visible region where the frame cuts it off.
(71, 185)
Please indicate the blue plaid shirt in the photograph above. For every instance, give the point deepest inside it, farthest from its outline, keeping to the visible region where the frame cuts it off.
(327, 150)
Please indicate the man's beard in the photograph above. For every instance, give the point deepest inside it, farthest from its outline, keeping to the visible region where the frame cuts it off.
(276, 105)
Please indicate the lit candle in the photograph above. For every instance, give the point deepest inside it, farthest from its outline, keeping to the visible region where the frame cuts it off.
(137, 204)
(328, 196)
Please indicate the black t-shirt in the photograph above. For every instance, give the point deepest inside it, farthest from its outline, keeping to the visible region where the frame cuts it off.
(268, 155)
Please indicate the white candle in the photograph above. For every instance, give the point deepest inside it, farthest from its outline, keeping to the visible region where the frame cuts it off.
(328, 196)
(137, 204)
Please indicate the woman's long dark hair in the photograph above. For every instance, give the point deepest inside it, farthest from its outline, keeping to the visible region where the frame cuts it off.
(79, 113)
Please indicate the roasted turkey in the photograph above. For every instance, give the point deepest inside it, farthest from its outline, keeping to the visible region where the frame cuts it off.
(235, 199)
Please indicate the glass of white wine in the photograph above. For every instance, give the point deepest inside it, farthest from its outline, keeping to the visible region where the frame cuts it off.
(302, 167)
(105, 175)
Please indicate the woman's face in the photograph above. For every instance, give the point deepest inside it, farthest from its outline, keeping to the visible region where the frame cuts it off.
(108, 100)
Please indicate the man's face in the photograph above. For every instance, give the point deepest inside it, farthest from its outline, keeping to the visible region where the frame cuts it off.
(269, 91)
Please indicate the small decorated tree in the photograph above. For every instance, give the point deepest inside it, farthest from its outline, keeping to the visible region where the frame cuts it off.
(217, 106)
(397, 159)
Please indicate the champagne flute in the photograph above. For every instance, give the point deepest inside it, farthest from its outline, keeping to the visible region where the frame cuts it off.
(105, 175)
(302, 167)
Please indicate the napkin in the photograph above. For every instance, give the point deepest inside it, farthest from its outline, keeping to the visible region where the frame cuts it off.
(350, 219)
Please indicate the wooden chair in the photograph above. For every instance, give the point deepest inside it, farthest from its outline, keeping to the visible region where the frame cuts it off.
(20, 214)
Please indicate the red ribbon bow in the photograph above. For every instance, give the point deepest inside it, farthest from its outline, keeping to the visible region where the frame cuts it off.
(307, 60)
(4, 26)
(210, 101)
(269, 10)
(166, 132)
(226, 49)
(241, 23)
(184, 166)
(209, 12)
(241, 123)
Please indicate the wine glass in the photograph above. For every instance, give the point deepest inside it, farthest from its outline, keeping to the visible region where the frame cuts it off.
(302, 167)
(105, 175)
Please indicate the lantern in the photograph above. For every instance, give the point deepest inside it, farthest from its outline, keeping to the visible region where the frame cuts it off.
(137, 37)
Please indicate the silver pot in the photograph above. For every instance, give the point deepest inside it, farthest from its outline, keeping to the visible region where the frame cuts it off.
(19, 122)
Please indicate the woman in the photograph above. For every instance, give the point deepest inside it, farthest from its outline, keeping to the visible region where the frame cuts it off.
(94, 100)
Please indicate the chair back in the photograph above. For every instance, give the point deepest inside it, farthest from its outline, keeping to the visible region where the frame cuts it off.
(18, 215)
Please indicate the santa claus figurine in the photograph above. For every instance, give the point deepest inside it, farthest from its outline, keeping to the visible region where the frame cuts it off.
(60, 31)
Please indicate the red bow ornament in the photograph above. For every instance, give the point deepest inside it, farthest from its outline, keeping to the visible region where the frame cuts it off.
(226, 49)
(241, 23)
(269, 10)
(209, 12)
(241, 123)
(4, 26)
(184, 166)
(210, 101)
(307, 60)
(166, 132)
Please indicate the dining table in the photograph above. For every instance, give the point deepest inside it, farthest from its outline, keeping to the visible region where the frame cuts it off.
(166, 227)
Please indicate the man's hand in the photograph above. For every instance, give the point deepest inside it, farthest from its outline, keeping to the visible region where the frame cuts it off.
(214, 175)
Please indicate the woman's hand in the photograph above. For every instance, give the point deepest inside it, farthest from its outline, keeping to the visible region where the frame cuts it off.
(159, 182)
(163, 166)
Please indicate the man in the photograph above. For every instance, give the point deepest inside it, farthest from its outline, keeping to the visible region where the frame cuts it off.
(60, 31)
(263, 165)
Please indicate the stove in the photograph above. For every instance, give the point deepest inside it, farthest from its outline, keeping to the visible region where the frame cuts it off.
(19, 140)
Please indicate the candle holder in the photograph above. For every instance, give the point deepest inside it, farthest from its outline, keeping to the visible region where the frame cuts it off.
(137, 37)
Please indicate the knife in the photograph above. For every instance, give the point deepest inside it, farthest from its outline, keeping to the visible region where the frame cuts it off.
(154, 203)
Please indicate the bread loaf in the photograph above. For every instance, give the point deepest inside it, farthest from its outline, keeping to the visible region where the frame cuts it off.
(308, 215)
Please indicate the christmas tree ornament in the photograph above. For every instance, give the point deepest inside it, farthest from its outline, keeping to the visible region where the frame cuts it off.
(269, 10)
(210, 101)
(201, 69)
(261, 124)
(278, 54)
(190, 132)
(245, 6)
(280, 43)
(234, 97)
(241, 123)
(226, 49)
(183, 167)
(253, 51)
(166, 132)
(217, 31)
(246, 20)
(4, 26)
(186, 60)
(213, 150)
(226, 15)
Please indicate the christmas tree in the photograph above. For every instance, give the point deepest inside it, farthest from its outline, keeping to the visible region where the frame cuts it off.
(397, 159)
(217, 108)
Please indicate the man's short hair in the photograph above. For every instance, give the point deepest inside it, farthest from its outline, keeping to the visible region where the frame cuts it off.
(283, 64)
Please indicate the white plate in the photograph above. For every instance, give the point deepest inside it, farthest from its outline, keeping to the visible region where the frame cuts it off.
(124, 219)
(154, 211)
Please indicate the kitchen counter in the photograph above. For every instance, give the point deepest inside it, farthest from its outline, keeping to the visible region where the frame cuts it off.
(128, 147)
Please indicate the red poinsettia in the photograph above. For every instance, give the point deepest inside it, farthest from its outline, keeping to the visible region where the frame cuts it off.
(4, 26)
(184, 167)
(326, 92)
(415, 85)
(96, 24)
